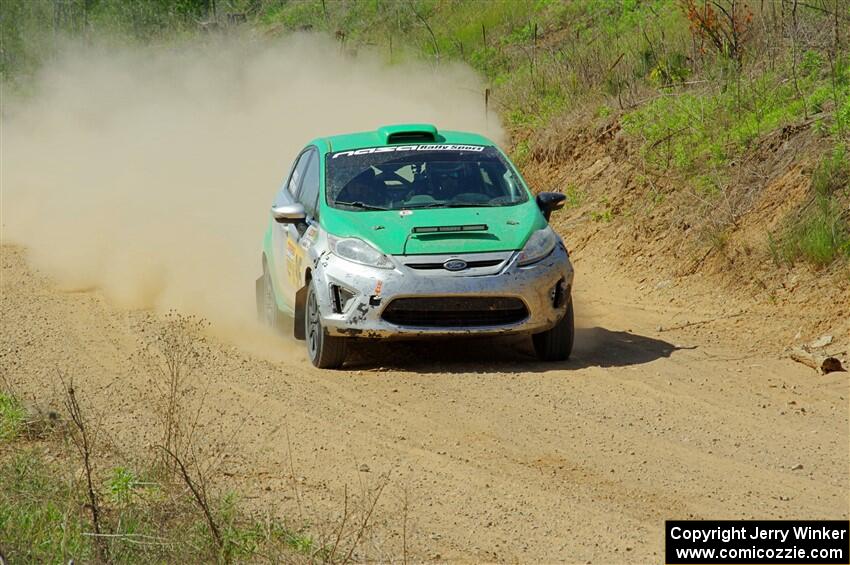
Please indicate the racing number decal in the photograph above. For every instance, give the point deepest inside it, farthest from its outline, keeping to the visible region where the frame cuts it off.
(295, 255)
(293, 262)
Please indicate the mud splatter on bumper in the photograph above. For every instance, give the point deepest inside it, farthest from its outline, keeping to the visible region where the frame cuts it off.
(353, 297)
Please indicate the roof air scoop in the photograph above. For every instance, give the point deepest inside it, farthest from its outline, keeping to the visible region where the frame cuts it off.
(409, 133)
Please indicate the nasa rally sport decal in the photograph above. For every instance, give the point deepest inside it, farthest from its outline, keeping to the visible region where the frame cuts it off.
(393, 149)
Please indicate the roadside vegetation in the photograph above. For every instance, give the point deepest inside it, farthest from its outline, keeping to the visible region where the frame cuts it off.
(819, 231)
(47, 513)
(67, 494)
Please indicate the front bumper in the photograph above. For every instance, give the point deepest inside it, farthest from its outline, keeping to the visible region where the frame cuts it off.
(374, 289)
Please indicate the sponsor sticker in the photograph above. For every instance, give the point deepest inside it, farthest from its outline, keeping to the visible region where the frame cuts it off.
(309, 237)
(399, 148)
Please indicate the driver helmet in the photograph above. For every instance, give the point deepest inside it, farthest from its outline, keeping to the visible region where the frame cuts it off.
(446, 178)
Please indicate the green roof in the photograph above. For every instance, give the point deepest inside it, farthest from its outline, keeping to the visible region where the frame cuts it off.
(399, 134)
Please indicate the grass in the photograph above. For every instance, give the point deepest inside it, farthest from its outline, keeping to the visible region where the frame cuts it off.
(694, 131)
(575, 196)
(533, 69)
(40, 513)
(820, 232)
(12, 417)
(44, 516)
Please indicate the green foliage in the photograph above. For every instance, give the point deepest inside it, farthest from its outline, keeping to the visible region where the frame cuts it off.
(521, 153)
(531, 77)
(603, 111)
(575, 196)
(694, 130)
(33, 30)
(44, 519)
(12, 417)
(23, 35)
(671, 70)
(40, 515)
(606, 215)
(820, 234)
(812, 63)
(832, 174)
(246, 539)
(145, 19)
(842, 115)
(122, 485)
(676, 131)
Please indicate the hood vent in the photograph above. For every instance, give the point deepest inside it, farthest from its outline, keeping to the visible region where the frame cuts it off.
(450, 229)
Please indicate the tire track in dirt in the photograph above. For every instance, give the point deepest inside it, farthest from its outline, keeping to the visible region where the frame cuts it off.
(501, 457)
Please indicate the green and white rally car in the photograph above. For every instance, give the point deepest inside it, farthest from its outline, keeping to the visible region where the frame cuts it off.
(408, 231)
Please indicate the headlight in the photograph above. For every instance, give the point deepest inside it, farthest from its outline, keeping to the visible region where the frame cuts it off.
(358, 251)
(539, 245)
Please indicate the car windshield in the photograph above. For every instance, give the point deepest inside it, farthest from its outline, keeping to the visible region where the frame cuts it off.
(421, 176)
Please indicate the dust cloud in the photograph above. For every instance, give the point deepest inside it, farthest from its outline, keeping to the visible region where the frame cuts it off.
(148, 172)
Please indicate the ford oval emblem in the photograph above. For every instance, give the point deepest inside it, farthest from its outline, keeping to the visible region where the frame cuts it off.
(454, 265)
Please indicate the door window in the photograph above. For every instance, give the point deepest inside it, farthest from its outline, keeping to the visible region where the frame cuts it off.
(309, 194)
(294, 181)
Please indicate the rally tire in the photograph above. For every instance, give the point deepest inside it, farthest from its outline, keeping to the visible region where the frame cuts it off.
(325, 351)
(556, 344)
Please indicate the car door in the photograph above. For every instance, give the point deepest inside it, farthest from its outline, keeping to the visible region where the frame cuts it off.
(283, 240)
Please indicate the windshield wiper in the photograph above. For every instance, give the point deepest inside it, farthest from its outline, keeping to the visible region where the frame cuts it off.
(428, 205)
(360, 205)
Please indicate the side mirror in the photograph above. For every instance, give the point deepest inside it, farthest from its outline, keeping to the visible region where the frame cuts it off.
(548, 202)
(289, 214)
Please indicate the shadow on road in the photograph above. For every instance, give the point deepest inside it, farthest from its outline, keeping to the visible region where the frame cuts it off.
(594, 347)
(600, 347)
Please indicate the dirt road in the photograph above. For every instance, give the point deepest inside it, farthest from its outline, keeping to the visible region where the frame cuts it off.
(497, 456)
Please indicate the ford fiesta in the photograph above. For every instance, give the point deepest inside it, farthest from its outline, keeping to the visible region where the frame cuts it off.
(408, 231)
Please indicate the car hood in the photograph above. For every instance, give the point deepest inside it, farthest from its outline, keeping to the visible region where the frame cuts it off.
(392, 231)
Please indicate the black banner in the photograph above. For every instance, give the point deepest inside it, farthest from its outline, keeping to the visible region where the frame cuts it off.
(813, 542)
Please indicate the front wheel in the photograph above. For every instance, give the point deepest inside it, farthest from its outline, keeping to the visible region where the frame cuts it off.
(325, 351)
(556, 344)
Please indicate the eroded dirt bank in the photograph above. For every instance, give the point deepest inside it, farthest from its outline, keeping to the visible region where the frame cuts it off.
(497, 456)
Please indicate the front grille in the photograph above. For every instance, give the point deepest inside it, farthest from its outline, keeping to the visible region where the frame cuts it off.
(469, 264)
(453, 312)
